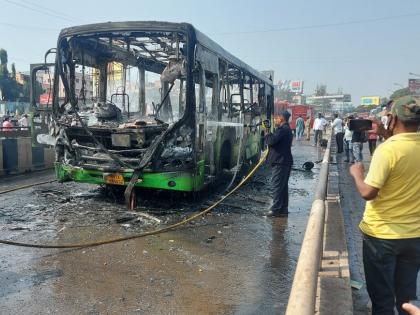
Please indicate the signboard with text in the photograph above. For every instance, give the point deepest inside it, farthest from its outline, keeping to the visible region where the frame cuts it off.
(45, 99)
(296, 86)
(414, 86)
(370, 100)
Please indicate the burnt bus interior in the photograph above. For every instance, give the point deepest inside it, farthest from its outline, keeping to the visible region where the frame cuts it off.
(125, 115)
(141, 100)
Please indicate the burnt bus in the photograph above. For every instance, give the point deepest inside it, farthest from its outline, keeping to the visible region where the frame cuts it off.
(151, 104)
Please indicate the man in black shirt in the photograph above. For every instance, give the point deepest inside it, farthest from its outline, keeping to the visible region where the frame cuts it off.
(357, 140)
(280, 159)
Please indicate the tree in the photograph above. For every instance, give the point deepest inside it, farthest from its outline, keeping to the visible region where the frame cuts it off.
(3, 57)
(322, 104)
(13, 71)
(400, 93)
(321, 90)
(284, 94)
(10, 89)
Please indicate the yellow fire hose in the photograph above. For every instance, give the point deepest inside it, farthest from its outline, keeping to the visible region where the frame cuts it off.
(26, 186)
(158, 231)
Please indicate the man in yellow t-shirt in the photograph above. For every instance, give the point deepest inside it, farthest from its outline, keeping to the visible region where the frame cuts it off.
(391, 222)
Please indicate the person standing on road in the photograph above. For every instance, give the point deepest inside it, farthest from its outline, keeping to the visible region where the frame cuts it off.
(391, 221)
(308, 128)
(319, 124)
(24, 121)
(280, 159)
(348, 135)
(357, 140)
(373, 136)
(300, 127)
(337, 125)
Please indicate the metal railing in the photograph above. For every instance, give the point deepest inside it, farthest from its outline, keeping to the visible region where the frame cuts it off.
(302, 297)
(15, 132)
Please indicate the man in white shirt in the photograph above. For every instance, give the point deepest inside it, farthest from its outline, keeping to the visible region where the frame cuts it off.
(348, 135)
(24, 121)
(337, 126)
(319, 125)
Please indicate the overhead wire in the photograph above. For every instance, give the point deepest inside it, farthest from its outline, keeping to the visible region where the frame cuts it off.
(28, 27)
(323, 25)
(50, 10)
(31, 8)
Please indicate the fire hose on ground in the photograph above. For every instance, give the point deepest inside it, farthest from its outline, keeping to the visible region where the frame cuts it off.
(149, 233)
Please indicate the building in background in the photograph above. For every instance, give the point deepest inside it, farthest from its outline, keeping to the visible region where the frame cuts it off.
(289, 90)
(331, 103)
(46, 79)
(414, 86)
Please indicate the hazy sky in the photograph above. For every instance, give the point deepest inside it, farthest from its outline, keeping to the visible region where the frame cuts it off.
(361, 46)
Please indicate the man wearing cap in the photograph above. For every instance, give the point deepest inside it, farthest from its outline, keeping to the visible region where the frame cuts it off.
(280, 159)
(391, 221)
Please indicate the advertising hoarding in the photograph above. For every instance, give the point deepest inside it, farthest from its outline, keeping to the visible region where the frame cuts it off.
(296, 86)
(370, 100)
(414, 86)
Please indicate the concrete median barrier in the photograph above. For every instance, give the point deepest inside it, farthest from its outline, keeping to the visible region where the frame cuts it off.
(49, 157)
(24, 154)
(1, 158)
(17, 155)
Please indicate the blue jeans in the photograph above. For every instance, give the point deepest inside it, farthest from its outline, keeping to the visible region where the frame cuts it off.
(357, 151)
(299, 133)
(348, 147)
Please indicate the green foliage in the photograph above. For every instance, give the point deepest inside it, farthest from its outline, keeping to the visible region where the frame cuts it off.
(321, 90)
(10, 89)
(400, 93)
(13, 71)
(284, 94)
(3, 57)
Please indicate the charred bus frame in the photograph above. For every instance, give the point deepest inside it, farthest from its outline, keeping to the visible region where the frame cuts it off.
(216, 123)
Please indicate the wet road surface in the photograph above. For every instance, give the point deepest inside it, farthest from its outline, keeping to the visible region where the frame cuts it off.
(232, 261)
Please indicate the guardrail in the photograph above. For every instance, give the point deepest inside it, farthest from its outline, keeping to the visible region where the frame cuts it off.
(15, 132)
(19, 155)
(302, 297)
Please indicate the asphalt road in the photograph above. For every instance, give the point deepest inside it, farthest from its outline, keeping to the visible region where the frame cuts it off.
(232, 261)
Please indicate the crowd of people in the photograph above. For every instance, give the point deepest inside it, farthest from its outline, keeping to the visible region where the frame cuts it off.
(348, 141)
(391, 220)
(8, 124)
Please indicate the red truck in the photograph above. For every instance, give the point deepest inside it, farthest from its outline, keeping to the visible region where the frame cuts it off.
(295, 110)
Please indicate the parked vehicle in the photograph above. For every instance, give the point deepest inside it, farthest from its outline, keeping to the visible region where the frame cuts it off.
(306, 111)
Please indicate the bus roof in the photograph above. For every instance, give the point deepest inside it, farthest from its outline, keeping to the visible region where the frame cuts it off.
(164, 27)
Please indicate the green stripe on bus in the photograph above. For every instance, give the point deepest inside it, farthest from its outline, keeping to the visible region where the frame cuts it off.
(180, 181)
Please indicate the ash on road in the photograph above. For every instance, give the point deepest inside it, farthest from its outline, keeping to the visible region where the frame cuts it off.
(232, 261)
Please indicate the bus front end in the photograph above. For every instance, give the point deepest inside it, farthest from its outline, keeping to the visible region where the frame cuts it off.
(123, 107)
